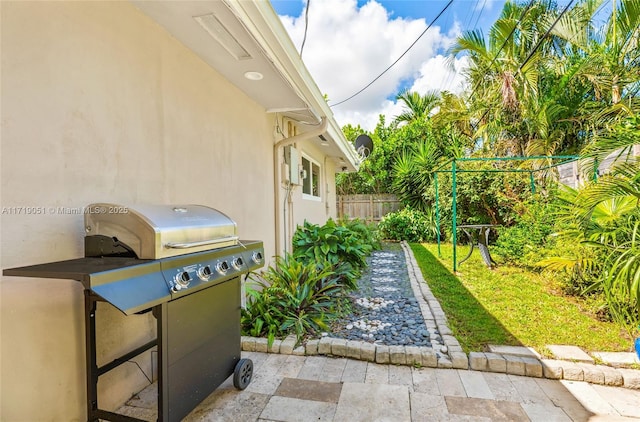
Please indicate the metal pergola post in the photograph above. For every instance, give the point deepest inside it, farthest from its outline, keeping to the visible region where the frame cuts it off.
(454, 212)
(437, 213)
(533, 182)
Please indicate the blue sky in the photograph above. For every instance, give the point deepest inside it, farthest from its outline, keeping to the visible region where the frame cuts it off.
(472, 13)
(350, 42)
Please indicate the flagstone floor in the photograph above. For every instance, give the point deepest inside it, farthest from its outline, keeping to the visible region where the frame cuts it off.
(316, 388)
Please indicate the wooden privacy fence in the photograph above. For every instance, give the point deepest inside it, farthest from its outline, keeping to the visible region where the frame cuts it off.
(370, 208)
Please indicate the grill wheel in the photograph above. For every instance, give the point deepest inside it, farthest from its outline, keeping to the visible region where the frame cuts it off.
(242, 374)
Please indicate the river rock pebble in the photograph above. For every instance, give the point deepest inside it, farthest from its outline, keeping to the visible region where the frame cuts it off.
(385, 310)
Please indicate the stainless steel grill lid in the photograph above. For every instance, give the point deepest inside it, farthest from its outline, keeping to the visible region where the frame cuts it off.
(160, 231)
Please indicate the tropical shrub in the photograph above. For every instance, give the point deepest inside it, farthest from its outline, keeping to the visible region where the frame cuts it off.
(292, 297)
(332, 242)
(526, 242)
(374, 174)
(408, 224)
(306, 290)
(605, 220)
(368, 233)
(412, 174)
(483, 196)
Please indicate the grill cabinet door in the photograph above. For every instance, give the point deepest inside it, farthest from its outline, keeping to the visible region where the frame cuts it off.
(200, 335)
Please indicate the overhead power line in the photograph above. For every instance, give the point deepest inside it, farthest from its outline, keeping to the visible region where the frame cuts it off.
(546, 34)
(480, 14)
(306, 26)
(398, 59)
(452, 75)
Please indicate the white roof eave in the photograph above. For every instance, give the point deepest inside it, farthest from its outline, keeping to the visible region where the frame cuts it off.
(265, 27)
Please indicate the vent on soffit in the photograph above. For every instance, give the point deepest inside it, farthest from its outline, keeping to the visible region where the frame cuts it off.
(220, 33)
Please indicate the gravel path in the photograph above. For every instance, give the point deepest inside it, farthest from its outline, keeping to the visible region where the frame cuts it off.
(385, 309)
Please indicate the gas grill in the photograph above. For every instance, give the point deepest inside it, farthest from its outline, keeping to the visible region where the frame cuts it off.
(183, 263)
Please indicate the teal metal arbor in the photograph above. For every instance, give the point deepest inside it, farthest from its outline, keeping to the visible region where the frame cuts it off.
(556, 160)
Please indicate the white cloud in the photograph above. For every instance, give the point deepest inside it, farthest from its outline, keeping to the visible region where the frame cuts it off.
(440, 75)
(347, 47)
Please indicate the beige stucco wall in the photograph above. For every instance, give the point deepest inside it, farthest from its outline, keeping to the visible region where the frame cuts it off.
(99, 103)
(292, 206)
(310, 209)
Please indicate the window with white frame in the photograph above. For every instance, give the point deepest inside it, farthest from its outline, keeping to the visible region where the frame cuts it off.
(311, 181)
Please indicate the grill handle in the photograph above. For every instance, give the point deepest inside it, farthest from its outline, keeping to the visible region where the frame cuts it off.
(188, 245)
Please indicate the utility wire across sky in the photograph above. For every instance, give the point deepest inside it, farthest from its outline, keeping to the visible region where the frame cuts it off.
(398, 59)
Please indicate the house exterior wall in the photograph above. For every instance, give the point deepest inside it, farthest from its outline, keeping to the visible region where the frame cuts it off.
(575, 173)
(295, 207)
(312, 210)
(99, 103)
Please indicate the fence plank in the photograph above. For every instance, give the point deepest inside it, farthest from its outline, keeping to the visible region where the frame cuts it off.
(370, 208)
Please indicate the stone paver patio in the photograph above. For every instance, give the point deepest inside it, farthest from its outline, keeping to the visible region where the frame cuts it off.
(293, 388)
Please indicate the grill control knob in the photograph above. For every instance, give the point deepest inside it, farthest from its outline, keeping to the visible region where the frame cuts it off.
(204, 273)
(222, 267)
(257, 257)
(182, 280)
(237, 263)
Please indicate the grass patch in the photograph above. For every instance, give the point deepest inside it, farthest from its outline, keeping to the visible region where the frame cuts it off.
(511, 306)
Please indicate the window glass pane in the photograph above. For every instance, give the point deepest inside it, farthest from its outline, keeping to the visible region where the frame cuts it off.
(306, 182)
(315, 180)
(311, 181)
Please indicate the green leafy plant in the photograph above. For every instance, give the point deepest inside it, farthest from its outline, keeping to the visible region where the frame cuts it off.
(484, 196)
(306, 290)
(605, 219)
(331, 242)
(292, 297)
(368, 233)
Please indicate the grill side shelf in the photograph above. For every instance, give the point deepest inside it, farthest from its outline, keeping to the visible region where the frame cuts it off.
(129, 284)
(79, 269)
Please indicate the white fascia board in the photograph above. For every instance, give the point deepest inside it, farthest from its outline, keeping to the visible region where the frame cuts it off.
(263, 23)
(347, 149)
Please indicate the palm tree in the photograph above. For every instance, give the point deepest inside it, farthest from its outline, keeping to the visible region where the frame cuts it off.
(606, 211)
(613, 55)
(417, 106)
(454, 115)
(512, 105)
(412, 173)
(606, 60)
(606, 217)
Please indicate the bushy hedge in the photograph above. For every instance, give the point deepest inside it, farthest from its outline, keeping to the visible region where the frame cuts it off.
(407, 224)
(528, 240)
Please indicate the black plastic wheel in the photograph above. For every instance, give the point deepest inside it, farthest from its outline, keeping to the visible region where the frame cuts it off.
(242, 373)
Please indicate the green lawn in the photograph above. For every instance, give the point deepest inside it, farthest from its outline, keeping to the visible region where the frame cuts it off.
(509, 305)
